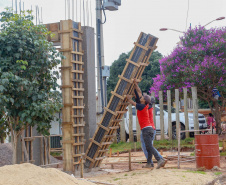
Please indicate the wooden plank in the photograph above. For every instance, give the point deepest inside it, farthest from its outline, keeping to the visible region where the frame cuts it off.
(77, 80)
(117, 95)
(77, 71)
(108, 110)
(103, 127)
(114, 128)
(106, 143)
(77, 62)
(131, 137)
(186, 111)
(195, 109)
(154, 115)
(138, 128)
(78, 125)
(79, 134)
(95, 142)
(177, 112)
(140, 46)
(134, 63)
(77, 53)
(76, 38)
(77, 107)
(116, 120)
(125, 79)
(161, 115)
(78, 97)
(77, 144)
(78, 89)
(169, 114)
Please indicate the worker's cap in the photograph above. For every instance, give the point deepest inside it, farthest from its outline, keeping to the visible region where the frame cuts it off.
(147, 98)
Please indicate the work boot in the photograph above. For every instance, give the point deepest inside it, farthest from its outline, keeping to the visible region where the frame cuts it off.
(164, 163)
(161, 163)
(148, 165)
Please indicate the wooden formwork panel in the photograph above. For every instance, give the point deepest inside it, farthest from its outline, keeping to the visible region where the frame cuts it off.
(116, 107)
(72, 91)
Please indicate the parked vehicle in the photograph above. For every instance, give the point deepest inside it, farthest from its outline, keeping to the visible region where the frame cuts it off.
(201, 117)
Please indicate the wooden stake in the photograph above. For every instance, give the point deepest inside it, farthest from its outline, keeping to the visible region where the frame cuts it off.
(177, 111)
(117, 153)
(169, 114)
(131, 138)
(110, 152)
(186, 111)
(81, 164)
(161, 152)
(195, 109)
(122, 130)
(161, 115)
(130, 168)
(178, 136)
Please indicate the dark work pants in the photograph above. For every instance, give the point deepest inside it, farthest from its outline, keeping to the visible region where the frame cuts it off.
(148, 133)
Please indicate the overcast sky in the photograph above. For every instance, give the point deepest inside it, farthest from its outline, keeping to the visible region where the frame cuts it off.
(123, 27)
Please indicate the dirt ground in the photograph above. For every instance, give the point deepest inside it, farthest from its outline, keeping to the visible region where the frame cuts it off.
(115, 170)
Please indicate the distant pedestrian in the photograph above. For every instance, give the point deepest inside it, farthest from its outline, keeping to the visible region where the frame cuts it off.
(210, 122)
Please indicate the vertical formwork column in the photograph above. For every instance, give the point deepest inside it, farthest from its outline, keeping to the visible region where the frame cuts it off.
(77, 94)
(66, 30)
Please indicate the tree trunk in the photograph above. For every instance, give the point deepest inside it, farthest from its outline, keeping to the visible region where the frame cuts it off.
(14, 146)
(217, 115)
(2, 139)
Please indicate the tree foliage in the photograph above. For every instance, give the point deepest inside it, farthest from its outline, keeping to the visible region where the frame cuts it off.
(199, 60)
(149, 73)
(28, 76)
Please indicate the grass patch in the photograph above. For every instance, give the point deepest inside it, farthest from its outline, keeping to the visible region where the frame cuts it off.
(200, 172)
(217, 173)
(192, 154)
(55, 154)
(161, 144)
(126, 174)
(116, 179)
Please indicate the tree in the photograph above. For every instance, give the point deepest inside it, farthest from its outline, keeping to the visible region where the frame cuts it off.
(150, 72)
(28, 76)
(198, 61)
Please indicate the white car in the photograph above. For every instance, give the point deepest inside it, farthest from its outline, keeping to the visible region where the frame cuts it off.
(201, 117)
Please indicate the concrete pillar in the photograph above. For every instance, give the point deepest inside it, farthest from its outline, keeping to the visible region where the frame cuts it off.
(88, 46)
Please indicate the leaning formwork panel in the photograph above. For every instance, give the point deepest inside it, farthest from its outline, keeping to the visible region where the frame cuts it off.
(72, 91)
(116, 107)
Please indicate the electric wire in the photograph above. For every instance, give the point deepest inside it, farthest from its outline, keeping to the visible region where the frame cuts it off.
(187, 17)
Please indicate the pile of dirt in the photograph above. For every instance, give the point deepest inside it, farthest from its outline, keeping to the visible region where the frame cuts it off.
(29, 174)
(6, 155)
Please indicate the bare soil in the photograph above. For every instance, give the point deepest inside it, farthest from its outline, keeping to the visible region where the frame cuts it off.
(116, 171)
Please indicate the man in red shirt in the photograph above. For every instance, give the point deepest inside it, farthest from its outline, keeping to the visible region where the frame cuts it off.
(138, 94)
(146, 128)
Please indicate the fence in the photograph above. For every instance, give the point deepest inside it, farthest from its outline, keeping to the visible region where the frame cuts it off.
(159, 114)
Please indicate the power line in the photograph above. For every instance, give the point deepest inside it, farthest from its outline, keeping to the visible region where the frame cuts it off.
(187, 17)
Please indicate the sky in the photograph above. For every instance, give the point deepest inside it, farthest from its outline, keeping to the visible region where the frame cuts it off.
(123, 26)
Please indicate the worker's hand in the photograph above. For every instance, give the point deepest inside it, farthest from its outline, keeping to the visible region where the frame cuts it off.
(128, 96)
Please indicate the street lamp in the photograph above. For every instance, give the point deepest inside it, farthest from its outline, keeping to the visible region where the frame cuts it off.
(218, 19)
(164, 29)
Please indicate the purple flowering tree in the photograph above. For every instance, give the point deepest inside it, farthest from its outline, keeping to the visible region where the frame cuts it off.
(199, 60)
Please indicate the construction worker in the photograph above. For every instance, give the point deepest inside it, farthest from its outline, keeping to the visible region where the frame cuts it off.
(138, 94)
(146, 128)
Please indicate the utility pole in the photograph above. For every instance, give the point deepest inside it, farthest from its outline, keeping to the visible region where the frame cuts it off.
(100, 58)
(110, 5)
